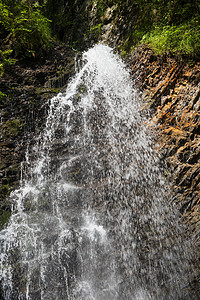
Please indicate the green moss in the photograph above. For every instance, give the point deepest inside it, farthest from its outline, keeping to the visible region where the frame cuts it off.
(13, 127)
(4, 218)
(47, 91)
(54, 90)
(96, 28)
(4, 213)
(60, 70)
(123, 53)
(6, 60)
(2, 98)
(4, 191)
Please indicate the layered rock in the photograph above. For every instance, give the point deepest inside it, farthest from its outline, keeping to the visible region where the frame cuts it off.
(171, 88)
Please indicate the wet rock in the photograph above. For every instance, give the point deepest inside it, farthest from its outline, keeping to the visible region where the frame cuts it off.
(172, 91)
(27, 87)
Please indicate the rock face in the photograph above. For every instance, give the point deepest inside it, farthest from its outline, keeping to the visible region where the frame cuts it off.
(171, 88)
(25, 91)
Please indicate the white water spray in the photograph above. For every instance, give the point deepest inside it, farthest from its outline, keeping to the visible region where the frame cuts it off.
(91, 218)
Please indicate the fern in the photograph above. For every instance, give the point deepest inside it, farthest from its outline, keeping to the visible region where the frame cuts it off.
(25, 28)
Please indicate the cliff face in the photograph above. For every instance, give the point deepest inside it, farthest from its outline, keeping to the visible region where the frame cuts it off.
(171, 89)
(25, 90)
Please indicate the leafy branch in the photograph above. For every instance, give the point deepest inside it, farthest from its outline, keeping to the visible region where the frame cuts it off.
(24, 31)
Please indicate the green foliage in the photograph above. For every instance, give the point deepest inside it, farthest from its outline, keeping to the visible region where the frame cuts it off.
(100, 6)
(2, 95)
(180, 39)
(5, 61)
(3, 100)
(5, 16)
(30, 30)
(166, 25)
(96, 27)
(123, 53)
(95, 31)
(24, 30)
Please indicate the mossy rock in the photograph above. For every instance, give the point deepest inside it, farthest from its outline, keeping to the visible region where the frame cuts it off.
(12, 128)
(4, 191)
(4, 218)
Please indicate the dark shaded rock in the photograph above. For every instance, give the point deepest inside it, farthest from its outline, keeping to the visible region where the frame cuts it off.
(26, 89)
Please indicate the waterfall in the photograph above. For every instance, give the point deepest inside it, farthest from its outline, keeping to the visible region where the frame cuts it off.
(92, 219)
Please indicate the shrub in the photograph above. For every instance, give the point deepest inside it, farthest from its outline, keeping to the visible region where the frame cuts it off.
(24, 28)
(180, 39)
(5, 60)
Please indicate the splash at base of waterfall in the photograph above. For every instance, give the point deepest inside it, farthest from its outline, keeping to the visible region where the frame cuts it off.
(92, 218)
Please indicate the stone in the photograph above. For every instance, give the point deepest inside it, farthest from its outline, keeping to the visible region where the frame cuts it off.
(172, 88)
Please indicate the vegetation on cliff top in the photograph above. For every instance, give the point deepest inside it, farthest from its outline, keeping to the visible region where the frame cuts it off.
(26, 26)
(24, 30)
(168, 26)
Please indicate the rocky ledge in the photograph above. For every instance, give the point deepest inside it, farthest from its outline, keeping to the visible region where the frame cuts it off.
(171, 88)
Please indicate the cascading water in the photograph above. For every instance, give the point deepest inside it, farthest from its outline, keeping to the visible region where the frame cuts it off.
(92, 218)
